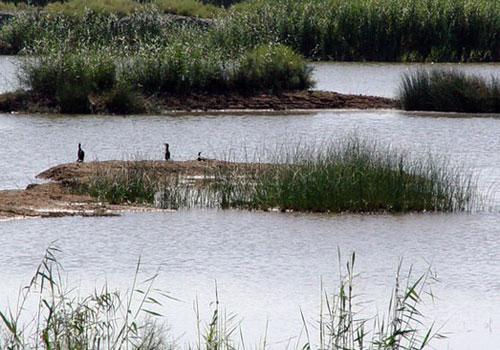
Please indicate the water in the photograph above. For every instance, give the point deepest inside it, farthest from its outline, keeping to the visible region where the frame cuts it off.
(266, 265)
(382, 79)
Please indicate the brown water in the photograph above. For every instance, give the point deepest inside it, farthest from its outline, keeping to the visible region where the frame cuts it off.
(267, 265)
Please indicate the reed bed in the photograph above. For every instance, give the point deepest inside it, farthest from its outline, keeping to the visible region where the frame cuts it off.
(347, 176)
(449, 91)
(81, 80)
(366, 30)
(341, 30)
(50, 314)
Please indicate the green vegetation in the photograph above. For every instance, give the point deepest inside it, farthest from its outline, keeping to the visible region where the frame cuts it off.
(72, 77)
(343, 30)
(449, 91)
(349, 176)
(52, 315)
(380, 30)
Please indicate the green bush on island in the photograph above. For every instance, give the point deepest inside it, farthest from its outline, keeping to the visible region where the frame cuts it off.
(449, 91)
(70, 76)
(51, 314)
(349, 176)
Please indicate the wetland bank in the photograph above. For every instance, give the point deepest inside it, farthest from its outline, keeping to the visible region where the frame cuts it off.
(275, 258)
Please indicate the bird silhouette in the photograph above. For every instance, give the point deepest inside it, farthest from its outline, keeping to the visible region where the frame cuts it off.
(167, 152)
(200, 158)
(81, 154)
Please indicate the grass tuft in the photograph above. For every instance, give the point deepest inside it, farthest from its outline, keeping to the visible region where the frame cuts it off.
(449, 91)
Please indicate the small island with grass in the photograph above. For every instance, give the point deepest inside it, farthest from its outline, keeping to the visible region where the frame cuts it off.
(352, 176)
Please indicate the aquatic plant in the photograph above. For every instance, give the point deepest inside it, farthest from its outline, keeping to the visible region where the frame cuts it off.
(359, 176)
(61, 317)
(381, 30)
(85, 79)
(449, 91)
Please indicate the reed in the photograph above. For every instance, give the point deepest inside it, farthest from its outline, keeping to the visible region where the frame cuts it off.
(64, 319)
(342, 30)
(449, 91)
(50, 314)
(79, 80)
(365, 30)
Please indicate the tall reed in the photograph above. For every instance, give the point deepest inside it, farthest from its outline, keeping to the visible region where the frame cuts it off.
(449, 91)
(50, 314)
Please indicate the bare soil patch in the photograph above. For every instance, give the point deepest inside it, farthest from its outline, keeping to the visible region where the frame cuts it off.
(56, 199)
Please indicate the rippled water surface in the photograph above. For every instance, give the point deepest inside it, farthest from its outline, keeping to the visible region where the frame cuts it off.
(267, 266)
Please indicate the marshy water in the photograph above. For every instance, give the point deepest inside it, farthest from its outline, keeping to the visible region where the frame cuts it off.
(267, 266)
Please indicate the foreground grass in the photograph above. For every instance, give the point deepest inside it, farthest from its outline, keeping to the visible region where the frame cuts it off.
(449, 91)
(51, 315)
(348, 176)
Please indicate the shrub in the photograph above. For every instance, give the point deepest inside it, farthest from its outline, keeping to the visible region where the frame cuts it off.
(273, 68)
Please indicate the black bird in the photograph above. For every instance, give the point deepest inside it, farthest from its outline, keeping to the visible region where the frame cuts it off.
(81, 153)
(167, 152)
(200, 158)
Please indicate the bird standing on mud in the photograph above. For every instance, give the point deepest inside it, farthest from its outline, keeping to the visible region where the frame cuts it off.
(167, 152)
(200, 158)
(81, 154)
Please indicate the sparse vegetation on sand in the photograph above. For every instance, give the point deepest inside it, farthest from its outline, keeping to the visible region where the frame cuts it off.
(50, 314)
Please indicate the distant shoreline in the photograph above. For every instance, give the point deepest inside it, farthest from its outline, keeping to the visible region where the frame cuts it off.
(28, 102)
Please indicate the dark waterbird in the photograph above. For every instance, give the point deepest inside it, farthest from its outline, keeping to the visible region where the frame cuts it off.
(81, 153)
(200, 158)
(167, 152)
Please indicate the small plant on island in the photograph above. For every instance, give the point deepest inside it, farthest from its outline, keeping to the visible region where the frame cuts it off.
(449, 91)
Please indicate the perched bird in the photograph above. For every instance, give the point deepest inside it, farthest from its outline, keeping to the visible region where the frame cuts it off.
(167, 152)
(81, 153)
(200, 158)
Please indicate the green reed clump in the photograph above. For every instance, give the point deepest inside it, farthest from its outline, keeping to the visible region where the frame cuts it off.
(274, 68)
(357, 176)
(381, 30)
(32, 32)
(64, 319)
(93, 78)
(341, 326)
(449, 91)
(70, 77)
(129, 184)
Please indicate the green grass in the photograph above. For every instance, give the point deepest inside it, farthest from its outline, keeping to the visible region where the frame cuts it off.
(380, 30)
(348, 176)
(73, 77)
(449, 91)
(51, 314)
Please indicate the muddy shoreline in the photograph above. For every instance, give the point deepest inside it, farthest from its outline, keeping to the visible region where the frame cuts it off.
(29, 102)
(56, 198)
